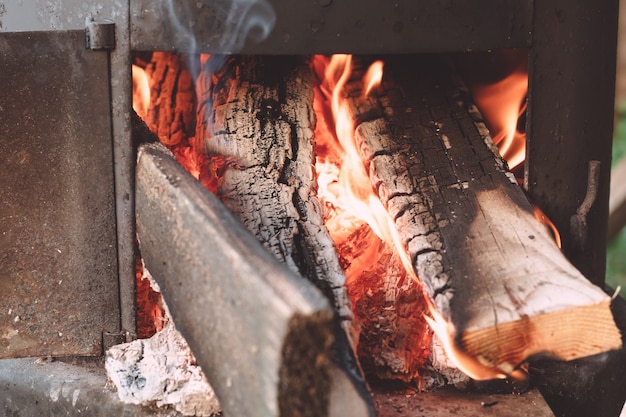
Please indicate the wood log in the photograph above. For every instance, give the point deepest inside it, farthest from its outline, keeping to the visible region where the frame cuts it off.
(260, 116)
(261, 333)
(503, 290)
(260, 125)
(172, 111)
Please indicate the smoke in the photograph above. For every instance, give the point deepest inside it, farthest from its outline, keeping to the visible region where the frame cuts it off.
(226, 24)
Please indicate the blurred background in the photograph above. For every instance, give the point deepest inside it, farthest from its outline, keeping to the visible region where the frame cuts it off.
(616, 256)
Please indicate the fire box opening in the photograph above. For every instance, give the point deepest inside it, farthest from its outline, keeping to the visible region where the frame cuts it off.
(362, 182)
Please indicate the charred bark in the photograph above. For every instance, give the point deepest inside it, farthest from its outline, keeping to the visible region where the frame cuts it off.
(259, 116)
(172, 111)
(504, 289)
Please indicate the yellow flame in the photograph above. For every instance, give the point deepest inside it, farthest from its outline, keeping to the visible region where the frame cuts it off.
(372, 77)
(141, 91)
(343, 179)
(543, 219)
(345, 187)
(468, 364)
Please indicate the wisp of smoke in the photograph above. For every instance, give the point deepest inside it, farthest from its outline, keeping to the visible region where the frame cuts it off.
(232, 24)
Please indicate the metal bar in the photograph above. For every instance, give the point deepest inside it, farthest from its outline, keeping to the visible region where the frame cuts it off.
(30, 388)
(569, 129)
(570, 123)
(324, 26)
(124, 155)
(261, 334)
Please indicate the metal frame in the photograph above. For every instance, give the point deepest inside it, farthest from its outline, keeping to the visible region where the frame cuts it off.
(67, 15)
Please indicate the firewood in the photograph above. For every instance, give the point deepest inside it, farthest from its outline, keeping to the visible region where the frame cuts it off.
(504, 291)
(261, 333)
(259, 116)
(171, 114)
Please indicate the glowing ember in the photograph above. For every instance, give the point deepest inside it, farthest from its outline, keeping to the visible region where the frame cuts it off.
(367, 242)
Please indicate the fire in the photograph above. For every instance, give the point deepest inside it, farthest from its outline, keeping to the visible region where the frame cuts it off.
(502, 103)
(543, 219)
(344, 185)
(345, 188)
(189, 152)
(343, 181)
(141, 91)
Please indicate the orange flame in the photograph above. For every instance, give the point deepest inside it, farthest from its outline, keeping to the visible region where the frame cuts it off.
(345, 188)
(344, 184)
(468, 364)
(543, 219)
(141, 91)
(502, 103)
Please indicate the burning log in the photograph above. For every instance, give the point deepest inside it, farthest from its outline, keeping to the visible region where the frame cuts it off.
(251, 323)
(501, 289)
(439, 180)
(259, 116)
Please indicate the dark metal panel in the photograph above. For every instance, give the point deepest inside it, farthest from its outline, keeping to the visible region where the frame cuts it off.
(327, 26)
(58, 261)
(570, 123)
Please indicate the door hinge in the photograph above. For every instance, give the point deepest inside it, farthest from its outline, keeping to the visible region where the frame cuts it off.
(100, 34)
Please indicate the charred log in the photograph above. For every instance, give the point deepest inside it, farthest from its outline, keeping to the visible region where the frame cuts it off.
(492, 271)
(172, 111)
(260, 117)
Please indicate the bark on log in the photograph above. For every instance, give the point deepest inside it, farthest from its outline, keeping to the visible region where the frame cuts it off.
(172, 111)
(261, 333)
(260, 116)
(504, 289)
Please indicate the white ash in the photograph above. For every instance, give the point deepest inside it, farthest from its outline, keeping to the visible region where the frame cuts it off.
(161, 371)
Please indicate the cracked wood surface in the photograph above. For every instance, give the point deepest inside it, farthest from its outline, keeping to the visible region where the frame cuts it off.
(260, 116)
(491, 269)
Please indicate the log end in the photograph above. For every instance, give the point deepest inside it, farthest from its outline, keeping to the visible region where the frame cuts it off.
(565, 334)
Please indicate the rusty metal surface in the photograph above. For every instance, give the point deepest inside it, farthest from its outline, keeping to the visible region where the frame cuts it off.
(58, 274)
(327, 26)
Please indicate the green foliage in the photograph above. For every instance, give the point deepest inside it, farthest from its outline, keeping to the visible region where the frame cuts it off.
(616, 261)
(616, 252)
